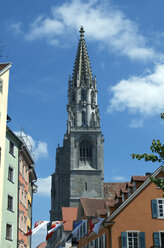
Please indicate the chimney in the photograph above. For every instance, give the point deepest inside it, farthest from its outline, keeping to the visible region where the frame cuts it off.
(148, 174)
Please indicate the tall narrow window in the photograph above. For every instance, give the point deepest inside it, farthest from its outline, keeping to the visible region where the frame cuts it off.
(10, 203)
(1, 85)
(83, 95)
(83, 118)
(8, 231)
(11, 148)
(11, 174)
(86, 186)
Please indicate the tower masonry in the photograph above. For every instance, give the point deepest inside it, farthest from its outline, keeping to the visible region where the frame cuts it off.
(79, 168)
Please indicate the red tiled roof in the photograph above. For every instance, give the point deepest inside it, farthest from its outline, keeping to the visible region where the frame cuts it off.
(91, 205)
(2, 66)
(129, 185)
(42, 245)
(138, 178)
(111, 189)
(110, 203)
(69, 214)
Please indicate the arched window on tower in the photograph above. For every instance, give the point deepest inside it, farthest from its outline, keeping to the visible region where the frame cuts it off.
(85, 151)
(83, 95)
(83, 118)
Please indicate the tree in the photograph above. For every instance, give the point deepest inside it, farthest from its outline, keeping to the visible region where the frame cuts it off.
(157, 156)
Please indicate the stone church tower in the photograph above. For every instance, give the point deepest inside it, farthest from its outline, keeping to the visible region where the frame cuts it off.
(79, 163)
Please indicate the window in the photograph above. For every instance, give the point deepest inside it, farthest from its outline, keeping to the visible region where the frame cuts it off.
(21, 222)
(25, 227)
(10, 203)
(11, 148)
(8, 231)
(11, 174)
(1, 85)
(83, 95)
(83, 118)
(158, 239)
(133, 239)
(22, 193)
(23, 171)
(85, 186)
(26, 174)
(85, 150)
(158, 208)
(25, 198)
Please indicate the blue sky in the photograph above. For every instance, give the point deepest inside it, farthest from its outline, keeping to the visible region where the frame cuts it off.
(125, 44)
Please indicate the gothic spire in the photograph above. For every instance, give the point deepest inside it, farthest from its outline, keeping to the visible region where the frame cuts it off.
(82, 73)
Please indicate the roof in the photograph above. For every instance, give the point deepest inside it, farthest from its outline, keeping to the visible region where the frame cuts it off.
(69, 214)
(138, 178)
(82, 69)
(111, 189)
(91, 205)
(42, 245)
(130, 198)
(4, 67)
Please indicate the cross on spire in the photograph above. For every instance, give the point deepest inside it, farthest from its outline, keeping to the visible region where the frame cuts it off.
(81, 32)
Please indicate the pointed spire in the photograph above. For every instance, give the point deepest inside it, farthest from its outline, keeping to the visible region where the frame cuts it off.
(82, 73)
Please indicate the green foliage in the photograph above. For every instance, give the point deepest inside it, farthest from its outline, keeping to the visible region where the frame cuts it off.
(158, 149)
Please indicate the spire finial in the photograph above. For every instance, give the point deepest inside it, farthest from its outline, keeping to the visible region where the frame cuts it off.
(81, 32)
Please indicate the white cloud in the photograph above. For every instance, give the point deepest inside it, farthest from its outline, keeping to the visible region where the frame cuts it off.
(119, 178)
(39, 149)
(140, 94)
(44, 186)
(135, 123)
(15, 27)
(102, 22)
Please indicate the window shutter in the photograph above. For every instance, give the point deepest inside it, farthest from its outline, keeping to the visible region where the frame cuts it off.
(142, 239)
(156, 239)
(154, 208)
(123, 240)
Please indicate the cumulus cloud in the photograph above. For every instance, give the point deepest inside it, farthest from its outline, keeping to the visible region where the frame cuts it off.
(102, 22)
(119, 178)
(140, 94)
(44, 186)
(38, 148)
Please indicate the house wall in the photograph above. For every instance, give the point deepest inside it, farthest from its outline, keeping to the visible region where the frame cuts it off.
(10, 188)
(138, 216)
(23, 202)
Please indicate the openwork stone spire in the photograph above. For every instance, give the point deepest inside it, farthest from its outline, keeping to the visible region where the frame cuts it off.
(82, 73)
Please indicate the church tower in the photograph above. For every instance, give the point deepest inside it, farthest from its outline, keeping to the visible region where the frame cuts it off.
(79, 163)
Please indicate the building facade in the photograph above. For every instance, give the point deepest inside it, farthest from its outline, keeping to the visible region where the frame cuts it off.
(19, 186)
(9, 210)
(4, 83)
(79, 162)
(27, 179)
(137, 221)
